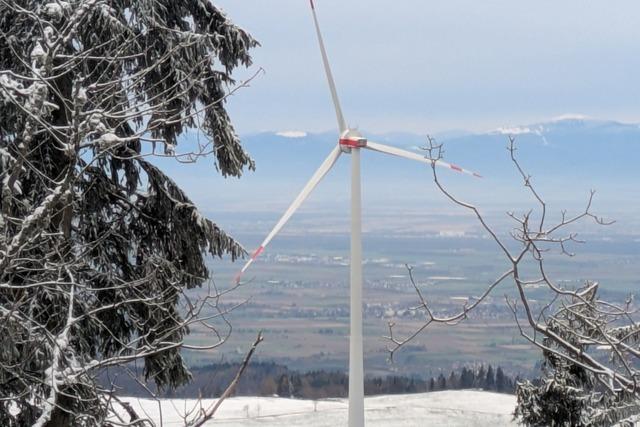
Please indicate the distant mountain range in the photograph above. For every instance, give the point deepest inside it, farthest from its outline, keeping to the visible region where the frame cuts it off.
(566, 147)
(566, 156)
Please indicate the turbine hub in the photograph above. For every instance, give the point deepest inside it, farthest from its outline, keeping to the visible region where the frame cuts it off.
(351, 138)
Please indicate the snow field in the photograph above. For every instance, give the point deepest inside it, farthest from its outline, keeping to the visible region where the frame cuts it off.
(446, 408)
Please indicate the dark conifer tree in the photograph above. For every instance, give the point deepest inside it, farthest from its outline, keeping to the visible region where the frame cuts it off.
(489, 380)
(284, 387)
(97, 245)
(296, 385)
(480, 377)
(502, 385)
(452, 381)
(441, 383)
(466, 378)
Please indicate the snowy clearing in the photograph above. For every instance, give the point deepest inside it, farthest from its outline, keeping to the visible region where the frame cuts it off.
(446, 408)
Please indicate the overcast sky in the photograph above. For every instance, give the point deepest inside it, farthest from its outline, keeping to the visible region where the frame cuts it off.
(429, 66)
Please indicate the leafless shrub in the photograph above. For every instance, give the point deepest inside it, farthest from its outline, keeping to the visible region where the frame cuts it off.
(576, 331)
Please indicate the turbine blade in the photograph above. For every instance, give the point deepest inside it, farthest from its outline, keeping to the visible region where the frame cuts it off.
(415, 156)
(308, 188)
(342, 125)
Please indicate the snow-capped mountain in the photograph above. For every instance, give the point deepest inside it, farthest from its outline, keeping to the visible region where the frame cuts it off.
(569, 146)
(566, 156)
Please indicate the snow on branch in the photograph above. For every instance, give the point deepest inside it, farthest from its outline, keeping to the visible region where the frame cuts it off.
(99, 249)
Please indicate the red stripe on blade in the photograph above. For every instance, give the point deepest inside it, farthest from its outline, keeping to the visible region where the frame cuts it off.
(257, 253)
(456, 168)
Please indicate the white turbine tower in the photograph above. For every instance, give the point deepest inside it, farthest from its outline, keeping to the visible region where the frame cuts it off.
(351, 142)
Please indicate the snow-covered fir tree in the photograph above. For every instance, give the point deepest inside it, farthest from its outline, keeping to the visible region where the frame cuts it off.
(97, 245)
(572, 393)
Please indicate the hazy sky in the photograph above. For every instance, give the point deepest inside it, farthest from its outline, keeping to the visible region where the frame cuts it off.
(429, 66)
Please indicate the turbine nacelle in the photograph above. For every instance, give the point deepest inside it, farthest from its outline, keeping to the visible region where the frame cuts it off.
(351, 138)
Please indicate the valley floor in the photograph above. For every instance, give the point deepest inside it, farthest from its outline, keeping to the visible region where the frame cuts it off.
(446, 408)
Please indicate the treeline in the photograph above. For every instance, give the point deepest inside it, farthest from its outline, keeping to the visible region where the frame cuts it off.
(483, 378)
(270, 379)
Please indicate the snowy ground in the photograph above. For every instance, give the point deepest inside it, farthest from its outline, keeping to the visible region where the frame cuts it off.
(446, 408)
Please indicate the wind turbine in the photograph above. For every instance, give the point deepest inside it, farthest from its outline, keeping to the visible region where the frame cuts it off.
(349, 142)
